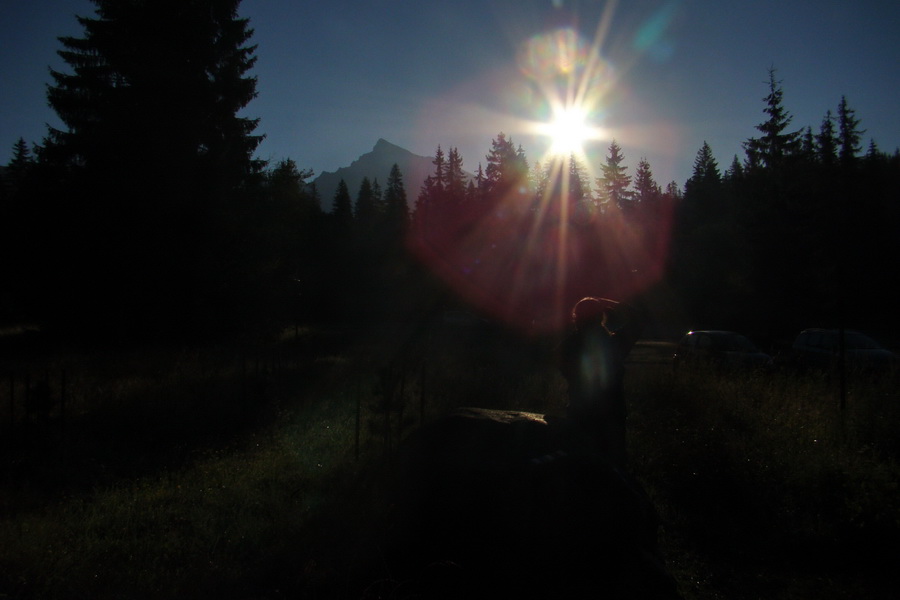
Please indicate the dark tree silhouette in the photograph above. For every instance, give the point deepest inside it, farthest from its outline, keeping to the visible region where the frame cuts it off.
(646, 190)
(506, 170)
(366, 211)
(395, 203)
(454, 178)
(612, 185)
(153, 165)
(849, 133)
(776, 144)
(342, 208)
(21, 164)
(826, 144)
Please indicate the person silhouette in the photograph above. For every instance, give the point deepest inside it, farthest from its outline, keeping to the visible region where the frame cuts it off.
(601, 334)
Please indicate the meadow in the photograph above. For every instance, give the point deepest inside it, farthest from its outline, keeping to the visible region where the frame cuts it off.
(258, 471)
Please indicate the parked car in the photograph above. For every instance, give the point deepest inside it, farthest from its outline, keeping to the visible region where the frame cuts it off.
(720, 349)
(820, 349)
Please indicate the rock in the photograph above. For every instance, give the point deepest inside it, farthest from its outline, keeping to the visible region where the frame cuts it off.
(514, 504)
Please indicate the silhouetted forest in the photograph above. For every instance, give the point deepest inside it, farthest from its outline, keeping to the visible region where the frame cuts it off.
(148, 215)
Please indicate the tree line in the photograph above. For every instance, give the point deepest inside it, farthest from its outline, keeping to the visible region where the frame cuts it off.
(147, 213)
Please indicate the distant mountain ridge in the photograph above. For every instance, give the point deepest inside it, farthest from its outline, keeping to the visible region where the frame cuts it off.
(376, 164)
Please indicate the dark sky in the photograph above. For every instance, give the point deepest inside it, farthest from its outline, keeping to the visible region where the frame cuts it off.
(335, 76)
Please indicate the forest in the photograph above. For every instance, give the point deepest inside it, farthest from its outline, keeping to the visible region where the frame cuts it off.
(224, 371)
(148, 214)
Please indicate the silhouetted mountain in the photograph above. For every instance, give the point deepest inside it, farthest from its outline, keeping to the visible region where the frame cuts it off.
(377, 165)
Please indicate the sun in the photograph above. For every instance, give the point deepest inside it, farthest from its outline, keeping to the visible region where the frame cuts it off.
(568, 131)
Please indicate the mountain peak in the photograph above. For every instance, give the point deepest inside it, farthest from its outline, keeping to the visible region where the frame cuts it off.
(376, 164)
(383, 145)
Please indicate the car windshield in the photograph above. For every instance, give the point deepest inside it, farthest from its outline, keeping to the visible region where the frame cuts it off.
(735, 343)
(859, 341)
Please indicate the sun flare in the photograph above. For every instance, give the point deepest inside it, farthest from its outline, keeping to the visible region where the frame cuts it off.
(568, 131)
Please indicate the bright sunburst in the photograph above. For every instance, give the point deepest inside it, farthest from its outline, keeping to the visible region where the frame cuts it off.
(572, 79)
(568, 131)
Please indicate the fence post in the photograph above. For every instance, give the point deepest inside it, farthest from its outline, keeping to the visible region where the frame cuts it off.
(358, 413)
(422, 397)
(62, 401)
(12, 405)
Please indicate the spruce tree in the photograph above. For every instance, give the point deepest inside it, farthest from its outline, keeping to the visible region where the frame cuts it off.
(702, 191)
(454, 178)
(826, 144)
(366, 210)
(158, 82)
(646, 190)
(20, 165)
(612, 186)
(506, 170)
(776, 143)
(706, 169)
(734, 173)
(395, 204)
(156, 161)
(342, 207)
(849, 133)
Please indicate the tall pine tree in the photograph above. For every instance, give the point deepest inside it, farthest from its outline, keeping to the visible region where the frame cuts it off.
(156, 160)
(849, 133)
(776, 144)
(395, 204)
(612, 185)
(342, 207)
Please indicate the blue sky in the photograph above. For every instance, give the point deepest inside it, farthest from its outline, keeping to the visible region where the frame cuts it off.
(335, 76)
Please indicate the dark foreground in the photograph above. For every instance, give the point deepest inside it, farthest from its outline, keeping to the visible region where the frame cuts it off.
(262, 474)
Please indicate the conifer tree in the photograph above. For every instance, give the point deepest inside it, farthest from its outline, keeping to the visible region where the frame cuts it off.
(21, 164)
(454, 178)
(702, 197)
(734, 173)
(366, 210)
(706, 170)
(431, 207)
(342, 209)
(379, 198)
(776, 144)
(158, 81)
(826, 144)
(287, 184)
(612, 186)
(395, 204)
(646, 190)
(673, 192)
(507, 168)
(849, 133)
(872, 152)
(157, 162)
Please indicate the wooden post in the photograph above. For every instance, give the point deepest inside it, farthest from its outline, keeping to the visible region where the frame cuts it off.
(422, 397)
(62, 401)
(388, 391)
(358, 416)
(12, 405)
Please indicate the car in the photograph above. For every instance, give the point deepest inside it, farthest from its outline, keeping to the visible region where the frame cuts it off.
(725, 349)
(820, 349)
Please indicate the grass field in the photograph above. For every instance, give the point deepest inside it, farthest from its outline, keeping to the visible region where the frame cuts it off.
(226, 473)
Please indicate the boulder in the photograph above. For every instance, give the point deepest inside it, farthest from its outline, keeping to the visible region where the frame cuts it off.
(492, 503)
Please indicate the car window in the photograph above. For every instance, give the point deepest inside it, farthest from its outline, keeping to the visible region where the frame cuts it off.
(859, 341)
(704, 342)
(739, 343)
(815, 341)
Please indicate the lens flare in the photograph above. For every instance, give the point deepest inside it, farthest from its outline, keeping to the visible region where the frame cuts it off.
(571, 80)
(524, 255)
